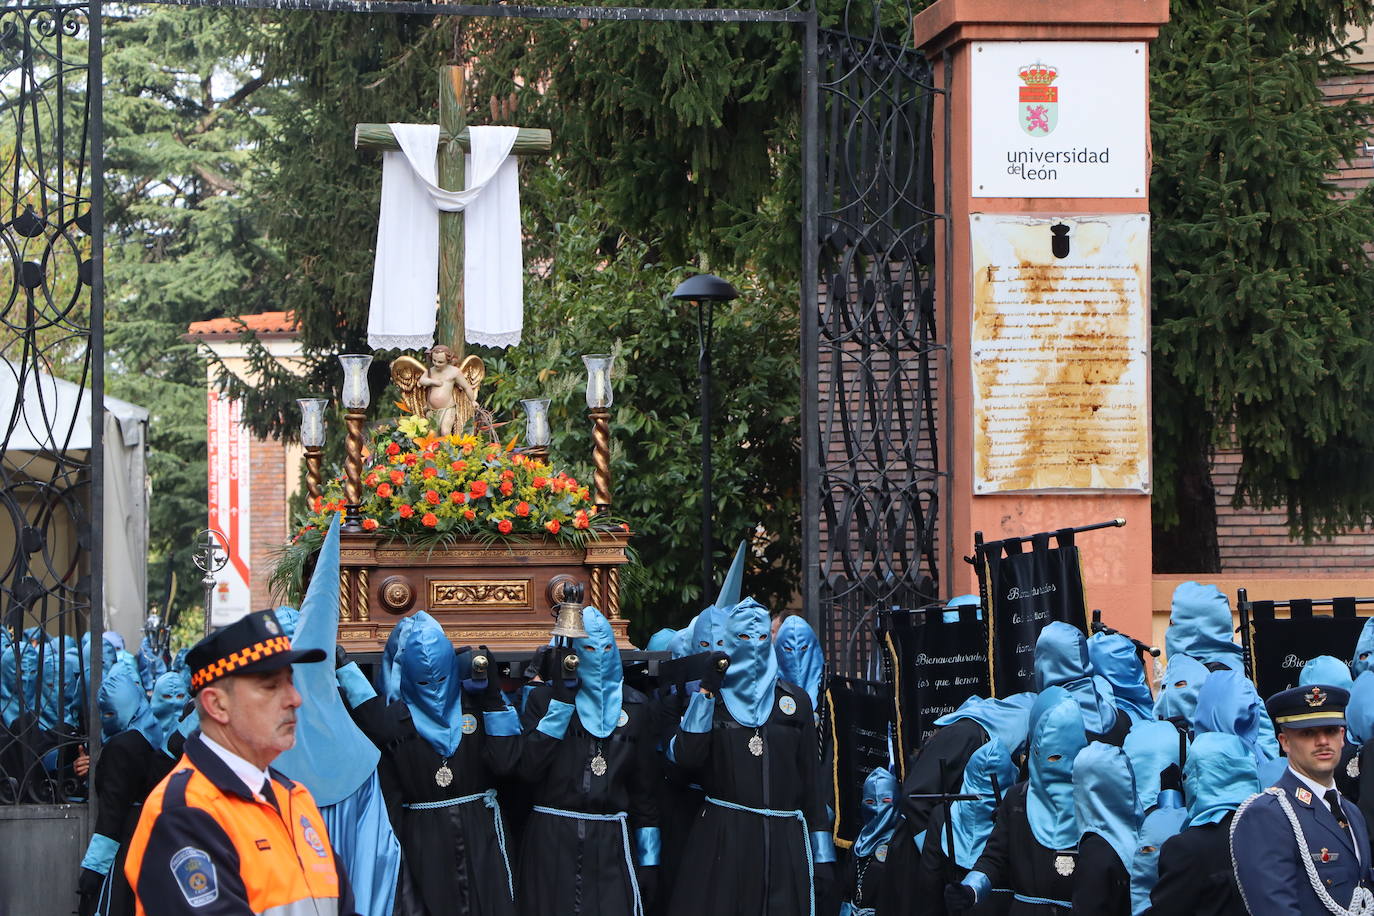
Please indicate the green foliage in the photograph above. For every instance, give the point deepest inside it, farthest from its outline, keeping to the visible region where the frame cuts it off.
(1261, 331)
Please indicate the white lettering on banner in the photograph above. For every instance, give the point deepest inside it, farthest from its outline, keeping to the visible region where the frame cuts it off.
(1016, 594)
(923, 659)
(1031, 618)
(1292, 661)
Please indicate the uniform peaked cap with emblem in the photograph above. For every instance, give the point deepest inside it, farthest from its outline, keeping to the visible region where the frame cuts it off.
(1309, 706)
(252, 645)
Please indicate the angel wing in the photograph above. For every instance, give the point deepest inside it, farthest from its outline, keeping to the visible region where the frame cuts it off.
(406, 372)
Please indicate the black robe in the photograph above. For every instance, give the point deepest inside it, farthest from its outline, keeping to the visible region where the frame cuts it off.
(1195, 874)
(925, 894)
(865, 877)
(740, 862)
(679, 799)
(1102, 885)
(1013, 859)
(577, 867)
(126, 771)
(452, 855)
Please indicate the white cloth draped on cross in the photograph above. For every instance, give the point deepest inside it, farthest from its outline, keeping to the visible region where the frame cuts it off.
(405, 277)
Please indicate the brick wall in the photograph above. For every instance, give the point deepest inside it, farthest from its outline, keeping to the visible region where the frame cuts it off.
(268, 508)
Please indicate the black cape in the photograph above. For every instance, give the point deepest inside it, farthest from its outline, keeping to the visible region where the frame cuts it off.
(1013, 859)
(740, 863)
(1102, 885)
(1195, 873)
(452, 855)
(576, 867)
(126, 771)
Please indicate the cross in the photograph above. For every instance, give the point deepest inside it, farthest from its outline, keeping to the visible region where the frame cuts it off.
(454, 143)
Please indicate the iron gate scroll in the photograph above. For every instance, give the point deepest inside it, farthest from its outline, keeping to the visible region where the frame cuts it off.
(873, 454)
(50, 376)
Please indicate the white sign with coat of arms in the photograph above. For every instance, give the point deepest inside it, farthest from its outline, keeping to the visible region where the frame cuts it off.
(1062, 119)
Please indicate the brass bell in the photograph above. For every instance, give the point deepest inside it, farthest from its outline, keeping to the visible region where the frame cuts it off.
(569, 623)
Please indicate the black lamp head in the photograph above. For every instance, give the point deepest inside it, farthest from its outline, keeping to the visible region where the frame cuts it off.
(705, 288)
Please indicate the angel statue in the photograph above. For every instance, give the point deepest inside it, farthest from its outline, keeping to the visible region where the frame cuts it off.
(444, 392)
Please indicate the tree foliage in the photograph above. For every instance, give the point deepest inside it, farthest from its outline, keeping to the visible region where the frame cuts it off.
(1262, 340)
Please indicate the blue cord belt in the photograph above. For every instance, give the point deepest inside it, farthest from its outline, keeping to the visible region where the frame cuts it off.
(1041, 901)
(806, 840)
(487, 798)
(619, 817)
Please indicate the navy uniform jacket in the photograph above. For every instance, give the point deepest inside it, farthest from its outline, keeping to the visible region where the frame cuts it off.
(1269, 871)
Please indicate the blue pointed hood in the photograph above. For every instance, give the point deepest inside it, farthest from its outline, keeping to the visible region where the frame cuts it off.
(708, 628)
(1056, 738)
(331, 757)
(1364, 650)
(601, 694)
(1007, 719)
(1115, 659)
(971, 821)
(1152, 748)
(880, 812)
(1228, 703)
(800, 660)
(389, 670)
(1061, 660)
(430, 686)
(681, 645)
(733, 585)
(1159, 825)
(168, 702)
(1219, 774)
(1359, 712)
(124, 705)
(1327, 670)
(289, 617)
(1200, 626)
(1104, 798)
(1183, 678)
(661, 640)
(753, 673)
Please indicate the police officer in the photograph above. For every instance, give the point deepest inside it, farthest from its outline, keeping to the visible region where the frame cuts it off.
(1298, 846)
(224, 834)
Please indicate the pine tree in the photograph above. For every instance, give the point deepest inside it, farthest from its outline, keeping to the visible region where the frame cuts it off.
(1262, 337)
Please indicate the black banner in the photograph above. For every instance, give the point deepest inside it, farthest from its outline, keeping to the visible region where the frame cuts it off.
(860, 715)
(1025, 591)
(935, 665)
(1280, 648)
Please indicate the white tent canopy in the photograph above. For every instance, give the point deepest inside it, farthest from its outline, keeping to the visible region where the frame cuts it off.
(49, 422)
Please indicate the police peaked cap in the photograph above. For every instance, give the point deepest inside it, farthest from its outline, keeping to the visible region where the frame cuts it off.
(251, 645)
(1310, 706)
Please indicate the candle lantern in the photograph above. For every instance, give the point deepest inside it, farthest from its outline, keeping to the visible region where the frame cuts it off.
(537, 434)
(312, 438)
(355, 398)
(599, 400)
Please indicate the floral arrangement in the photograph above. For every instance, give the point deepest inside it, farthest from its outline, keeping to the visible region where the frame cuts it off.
(431, 490)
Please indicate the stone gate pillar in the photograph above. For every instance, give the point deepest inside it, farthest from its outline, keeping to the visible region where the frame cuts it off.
(1046, 254)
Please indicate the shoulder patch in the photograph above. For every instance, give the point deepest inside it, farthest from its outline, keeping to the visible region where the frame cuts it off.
(195, 876)
(312, 836)
(881, 853)
(787, 705)
(469, 723)
(623, 720)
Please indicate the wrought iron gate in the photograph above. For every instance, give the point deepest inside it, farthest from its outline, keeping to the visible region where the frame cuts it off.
(50, 386)
(872, 455)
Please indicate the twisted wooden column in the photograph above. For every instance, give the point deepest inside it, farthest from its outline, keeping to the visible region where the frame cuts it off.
(601, 457)
(314, 457)
(353, 469)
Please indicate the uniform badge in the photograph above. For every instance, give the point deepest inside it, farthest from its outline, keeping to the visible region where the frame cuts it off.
(195, 875)
(1315, 697)
(623, 720)
(787, 705)
(1327, 855)
(313, 837)
(271, 624)
(881, 853)
(469, 723)
(1064, 865)
(1303, 796)
(1352, 769)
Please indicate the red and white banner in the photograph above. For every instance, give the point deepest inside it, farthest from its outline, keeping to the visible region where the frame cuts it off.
(230, 444)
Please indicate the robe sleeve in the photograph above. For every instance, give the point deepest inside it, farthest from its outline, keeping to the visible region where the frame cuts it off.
(690, 747)
(933, 872)
(538, 747)
(1177, 887)
(819, 822)
(646, 779)
(501, 740)
(117, 775)
(373, 720)
(1099, 879)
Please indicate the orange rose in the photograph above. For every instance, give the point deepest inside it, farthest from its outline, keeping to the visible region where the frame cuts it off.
(432, 497)
(371, 480)
(319, 504)
(411, 460)
(553, 525)
(458, 467)
(504, 526)
(370, 524)
(429, 473)
(507, 474)
(393, 449)
(522, 509)
(407, 511)
(478, 489)
(507, 488)
(384, 491)
(540, 482)
(580, 520)
(458, 497)
(429, 520)
(398, 477)
(469, 514)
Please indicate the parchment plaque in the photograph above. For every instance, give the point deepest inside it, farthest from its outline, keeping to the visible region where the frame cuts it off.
(1060, 353)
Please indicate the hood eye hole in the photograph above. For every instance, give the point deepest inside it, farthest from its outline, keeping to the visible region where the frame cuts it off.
(1055, 758)
(719, 642)
(1180, 683)
(887, 799)
(704, 644)
(422, 683)
(743, 635)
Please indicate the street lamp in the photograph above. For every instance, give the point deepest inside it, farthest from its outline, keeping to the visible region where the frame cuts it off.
(312, 438)
(705, 290)
(355, 398)
(599, 400)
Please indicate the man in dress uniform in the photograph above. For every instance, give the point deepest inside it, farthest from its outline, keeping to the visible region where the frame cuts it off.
(1298, 847)
(222, 833)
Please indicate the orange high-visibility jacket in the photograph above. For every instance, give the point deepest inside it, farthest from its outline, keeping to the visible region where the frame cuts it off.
(205, 845)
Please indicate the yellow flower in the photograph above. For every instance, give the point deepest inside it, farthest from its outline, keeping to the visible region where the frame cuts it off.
(413, 427)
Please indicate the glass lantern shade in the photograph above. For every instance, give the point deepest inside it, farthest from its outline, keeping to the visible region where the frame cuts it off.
(598, 380)
(355, 394)
(312, 421)
(537, 432)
